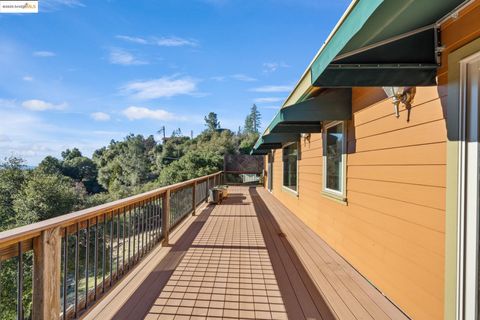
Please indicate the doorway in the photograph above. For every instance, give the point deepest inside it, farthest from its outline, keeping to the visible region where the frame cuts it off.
(469, 188)
(270, 172)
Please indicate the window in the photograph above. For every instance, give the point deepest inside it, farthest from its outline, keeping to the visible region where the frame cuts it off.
(333, 158)
(290, 158)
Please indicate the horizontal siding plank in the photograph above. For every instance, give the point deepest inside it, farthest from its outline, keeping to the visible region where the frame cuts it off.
(421, 215)
(435, 154)
(421, 175)
(383, 108)
(432, 197)
(424, 134)
(420, 114)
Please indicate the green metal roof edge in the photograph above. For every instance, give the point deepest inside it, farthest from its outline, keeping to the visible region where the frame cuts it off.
(350, 26)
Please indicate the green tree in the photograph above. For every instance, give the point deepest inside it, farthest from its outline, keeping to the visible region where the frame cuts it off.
(50, 165)
(70, 154)
(247, 143)
(82, 169)
(126, 164)
(12, 178)
(46, 196)
(253, 121)
(211, 122)
(193, 164)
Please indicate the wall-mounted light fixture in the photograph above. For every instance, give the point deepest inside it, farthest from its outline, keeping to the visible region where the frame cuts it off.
(305, 135)
(400, 95)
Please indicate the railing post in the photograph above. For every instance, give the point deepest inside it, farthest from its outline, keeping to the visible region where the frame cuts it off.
(46, 275)
(207, 182)
(194, 197)
(166, 217)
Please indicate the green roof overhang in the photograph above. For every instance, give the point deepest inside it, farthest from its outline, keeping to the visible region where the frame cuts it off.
(305, 116)
(275, 140)
(383, 43)
(260, 152)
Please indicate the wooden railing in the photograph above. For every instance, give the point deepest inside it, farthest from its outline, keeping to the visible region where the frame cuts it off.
(63, 265)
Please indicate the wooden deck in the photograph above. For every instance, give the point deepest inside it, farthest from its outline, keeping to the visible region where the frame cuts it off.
(238, 260)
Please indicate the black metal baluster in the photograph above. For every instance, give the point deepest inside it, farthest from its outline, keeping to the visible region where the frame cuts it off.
(149, 223)
(77, 258)
(134, 232)
(65, 273)
(150, 220)
(20, 282)
(104, 251)
(95, 258)
(111, 248)
(87, 260)
(157, 222)
(129, 233)
(123, 241)
(118, 242)
(138, 231)
(143, 228)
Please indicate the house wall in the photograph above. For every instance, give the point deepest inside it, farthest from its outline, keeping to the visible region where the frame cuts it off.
(392, 227)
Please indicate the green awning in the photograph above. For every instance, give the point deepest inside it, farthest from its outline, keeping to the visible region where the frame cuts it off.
(305, 116)
(274, 140)
(383, 43)
(260, 152)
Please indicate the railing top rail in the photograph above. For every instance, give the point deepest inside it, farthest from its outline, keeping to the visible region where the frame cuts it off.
(243, 172)
(33, 230)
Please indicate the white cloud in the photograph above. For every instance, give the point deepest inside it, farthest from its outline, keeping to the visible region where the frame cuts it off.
(218, 78)
(161, 87)
(27, 78)
(237, 76)
(138, 113)
(272, 89)
(242, 77)
(40, 105)
(268, 99)
(100, 116)
(132, 39)
(44, 54)
(120, 56)
(274, 66)
(172, 41)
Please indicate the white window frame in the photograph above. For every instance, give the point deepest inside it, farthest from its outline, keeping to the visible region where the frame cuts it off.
(342, 194)
(285, 188)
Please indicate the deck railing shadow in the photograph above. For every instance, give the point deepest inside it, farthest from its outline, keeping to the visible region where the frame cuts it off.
(142, 299)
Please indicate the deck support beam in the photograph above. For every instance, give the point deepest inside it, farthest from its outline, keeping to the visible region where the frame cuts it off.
(47, 273)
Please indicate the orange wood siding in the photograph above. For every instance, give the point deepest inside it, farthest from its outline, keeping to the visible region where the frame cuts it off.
(392, 229)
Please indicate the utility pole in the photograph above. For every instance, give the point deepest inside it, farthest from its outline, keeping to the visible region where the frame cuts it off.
(162, 130)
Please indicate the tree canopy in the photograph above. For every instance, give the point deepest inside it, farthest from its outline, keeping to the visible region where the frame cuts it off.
(211, 121)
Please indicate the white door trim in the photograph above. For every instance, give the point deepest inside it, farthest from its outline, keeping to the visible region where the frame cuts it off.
(468, 189)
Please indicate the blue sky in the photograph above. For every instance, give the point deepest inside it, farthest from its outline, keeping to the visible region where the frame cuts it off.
(80, 73)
